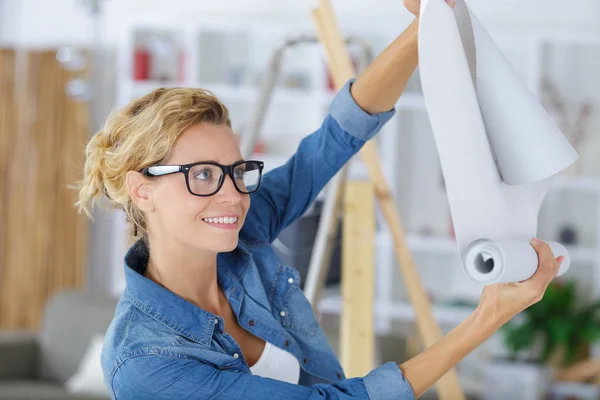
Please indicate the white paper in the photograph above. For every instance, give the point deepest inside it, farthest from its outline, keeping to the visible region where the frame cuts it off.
(498, 147)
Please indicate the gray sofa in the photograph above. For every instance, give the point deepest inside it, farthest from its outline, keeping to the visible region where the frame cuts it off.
(37, 365)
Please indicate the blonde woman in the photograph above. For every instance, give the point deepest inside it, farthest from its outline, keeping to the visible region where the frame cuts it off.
(209, 311)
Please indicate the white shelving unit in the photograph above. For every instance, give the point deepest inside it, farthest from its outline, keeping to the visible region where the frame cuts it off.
(401, 311)
(300, 107)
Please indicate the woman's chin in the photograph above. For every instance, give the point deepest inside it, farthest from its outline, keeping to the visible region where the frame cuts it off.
(228, 248)
(225, 245)
(218, 240)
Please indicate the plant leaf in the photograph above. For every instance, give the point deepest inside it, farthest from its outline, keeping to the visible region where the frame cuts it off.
(519, 337)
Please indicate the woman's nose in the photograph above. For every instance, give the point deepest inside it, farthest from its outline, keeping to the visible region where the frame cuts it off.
(228, 192)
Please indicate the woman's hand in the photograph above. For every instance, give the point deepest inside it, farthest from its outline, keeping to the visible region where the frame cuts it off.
(415, 5)
(501, 302)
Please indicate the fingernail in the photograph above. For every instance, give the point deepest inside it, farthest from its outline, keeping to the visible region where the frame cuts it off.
(536, 241)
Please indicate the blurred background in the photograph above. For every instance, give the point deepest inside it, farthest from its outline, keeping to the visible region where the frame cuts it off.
(65, 64)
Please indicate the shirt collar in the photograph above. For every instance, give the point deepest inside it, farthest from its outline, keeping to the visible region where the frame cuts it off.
(172, 310)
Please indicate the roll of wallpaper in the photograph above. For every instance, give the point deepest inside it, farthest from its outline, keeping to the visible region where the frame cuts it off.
(498, 148)
(506, 260)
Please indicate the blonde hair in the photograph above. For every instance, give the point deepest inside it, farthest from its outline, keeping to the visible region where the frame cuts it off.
(140, 135)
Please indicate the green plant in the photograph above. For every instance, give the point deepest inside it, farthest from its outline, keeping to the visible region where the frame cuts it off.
(558, 323)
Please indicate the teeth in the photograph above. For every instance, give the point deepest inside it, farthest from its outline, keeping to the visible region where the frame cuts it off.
(221, 220)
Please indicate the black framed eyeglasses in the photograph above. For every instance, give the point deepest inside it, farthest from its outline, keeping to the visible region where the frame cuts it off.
(206, 178)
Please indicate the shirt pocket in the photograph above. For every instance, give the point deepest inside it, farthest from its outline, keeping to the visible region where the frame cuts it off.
(289, 304)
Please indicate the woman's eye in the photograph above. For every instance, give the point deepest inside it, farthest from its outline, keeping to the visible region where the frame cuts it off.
(204, 174)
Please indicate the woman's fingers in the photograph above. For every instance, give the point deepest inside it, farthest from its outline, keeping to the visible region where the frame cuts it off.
(543, 250)
(546, 260)
(546, 270)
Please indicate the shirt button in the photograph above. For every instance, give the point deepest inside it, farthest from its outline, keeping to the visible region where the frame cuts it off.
(291, 280)
(236, 355)
(251, 322)
(305, 361)
(282, 313)
(216, 321)
(287, 343)
(339, 376)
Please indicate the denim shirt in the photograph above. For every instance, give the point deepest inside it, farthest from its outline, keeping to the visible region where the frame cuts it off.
(160, 346)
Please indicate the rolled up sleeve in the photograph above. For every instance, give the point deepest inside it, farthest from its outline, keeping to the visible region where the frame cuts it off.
(353, 119)
(388, 382)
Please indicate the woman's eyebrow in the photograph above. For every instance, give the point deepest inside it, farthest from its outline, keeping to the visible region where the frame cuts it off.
(216, 162)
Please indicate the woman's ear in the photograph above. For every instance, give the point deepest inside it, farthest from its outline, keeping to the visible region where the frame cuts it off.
(139, 188)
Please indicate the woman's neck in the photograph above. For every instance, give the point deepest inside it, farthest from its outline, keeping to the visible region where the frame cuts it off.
(189, 273)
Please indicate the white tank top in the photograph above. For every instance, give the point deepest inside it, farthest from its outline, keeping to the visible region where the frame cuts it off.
(277, 364)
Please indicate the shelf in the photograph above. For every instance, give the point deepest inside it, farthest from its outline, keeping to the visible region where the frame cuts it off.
(399, 310)
(133, 89)
(245, 93)
(432, 244)
(443, 245)
(242, 93)
(251, 94)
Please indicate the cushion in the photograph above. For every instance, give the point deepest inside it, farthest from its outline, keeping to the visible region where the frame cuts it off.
(88, 380)
(70, 321)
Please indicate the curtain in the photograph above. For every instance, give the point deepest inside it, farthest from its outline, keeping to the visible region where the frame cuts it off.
(43, 239)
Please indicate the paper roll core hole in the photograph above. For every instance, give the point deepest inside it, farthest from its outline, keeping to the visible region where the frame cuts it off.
(484, 263)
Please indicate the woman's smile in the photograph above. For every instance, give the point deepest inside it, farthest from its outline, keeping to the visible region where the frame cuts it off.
(222, 221)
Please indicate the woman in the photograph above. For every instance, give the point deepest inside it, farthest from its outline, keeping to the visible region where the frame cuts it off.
(209, 311)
